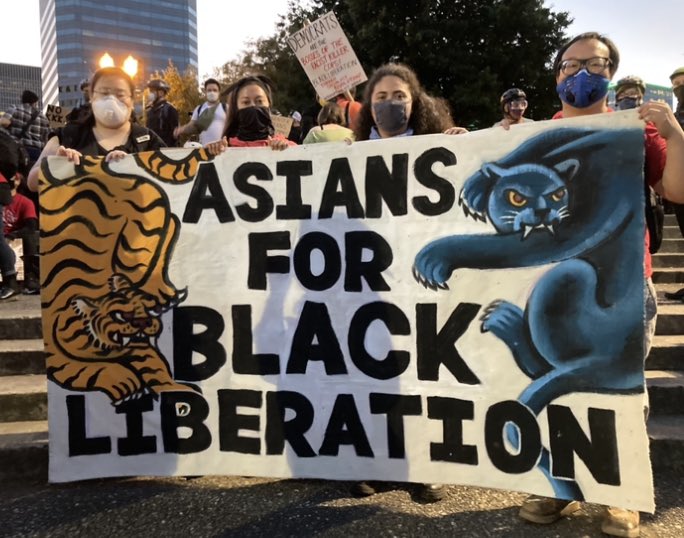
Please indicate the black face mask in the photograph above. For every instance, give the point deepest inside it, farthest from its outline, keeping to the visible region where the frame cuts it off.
(254, 123)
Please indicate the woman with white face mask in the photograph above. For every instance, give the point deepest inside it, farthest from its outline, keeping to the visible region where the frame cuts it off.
(107, 131)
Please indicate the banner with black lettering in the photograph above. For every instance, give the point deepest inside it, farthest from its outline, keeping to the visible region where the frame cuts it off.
(440, 309)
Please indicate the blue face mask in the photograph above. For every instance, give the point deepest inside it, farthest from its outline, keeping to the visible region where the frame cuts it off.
(627, 102)
(583, 89)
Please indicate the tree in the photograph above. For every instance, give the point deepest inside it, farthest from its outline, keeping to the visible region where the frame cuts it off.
(233, 70)
(185, 92)
(467, 51)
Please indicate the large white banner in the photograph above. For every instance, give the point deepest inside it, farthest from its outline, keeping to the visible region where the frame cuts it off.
(440, 309)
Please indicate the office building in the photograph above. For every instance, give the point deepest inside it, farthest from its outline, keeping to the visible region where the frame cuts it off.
(75, 34)
(14, 79)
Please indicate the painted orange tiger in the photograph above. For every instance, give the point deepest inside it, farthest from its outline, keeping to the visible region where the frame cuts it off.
(106, 243)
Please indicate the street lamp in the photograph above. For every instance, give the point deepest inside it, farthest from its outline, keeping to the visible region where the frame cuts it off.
(130, 66)
(106, 60)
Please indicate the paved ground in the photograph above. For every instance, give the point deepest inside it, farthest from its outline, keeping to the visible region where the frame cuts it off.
(248, 507)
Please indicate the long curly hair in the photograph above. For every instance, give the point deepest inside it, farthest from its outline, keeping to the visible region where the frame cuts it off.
(429, 115)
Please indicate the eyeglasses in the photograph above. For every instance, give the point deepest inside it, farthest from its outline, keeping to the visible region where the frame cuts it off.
(595, 66)
(121, 95)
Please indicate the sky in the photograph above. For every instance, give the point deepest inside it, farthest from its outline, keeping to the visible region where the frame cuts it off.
(650, 35)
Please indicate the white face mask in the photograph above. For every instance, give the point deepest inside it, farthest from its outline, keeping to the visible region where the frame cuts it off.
(212, 97)
(110, 112)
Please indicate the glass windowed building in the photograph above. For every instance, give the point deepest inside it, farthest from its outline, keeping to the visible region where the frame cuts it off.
(14, 79)
(76, 33)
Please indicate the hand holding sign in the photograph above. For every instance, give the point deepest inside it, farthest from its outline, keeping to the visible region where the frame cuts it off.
(327, 57)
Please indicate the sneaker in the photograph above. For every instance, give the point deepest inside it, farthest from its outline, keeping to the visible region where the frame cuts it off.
(620, 522)
(31, 287)
(7, 292)
(545, 510)
(364, 489)
(432, 492)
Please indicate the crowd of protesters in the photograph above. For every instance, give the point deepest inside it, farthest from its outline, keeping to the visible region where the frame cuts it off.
(394, 104)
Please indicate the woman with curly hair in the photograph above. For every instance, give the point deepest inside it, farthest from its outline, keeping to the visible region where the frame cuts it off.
(396, 104)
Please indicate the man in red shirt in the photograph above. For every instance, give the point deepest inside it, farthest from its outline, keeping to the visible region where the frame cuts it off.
(21, 221)
(584, 67)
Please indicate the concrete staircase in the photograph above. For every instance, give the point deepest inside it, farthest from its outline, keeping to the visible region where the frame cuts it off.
(23, 391)
(23, 388)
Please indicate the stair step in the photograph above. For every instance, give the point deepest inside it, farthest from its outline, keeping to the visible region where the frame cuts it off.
(670, 219)
(23, 397)
(24, 451)
(667, 353)
(20, 318)
(670, 318)
(22, 357)
(672, 245)
(665, 391)
(671, 231)
(673, 260)
(666, 435)
(667, 275)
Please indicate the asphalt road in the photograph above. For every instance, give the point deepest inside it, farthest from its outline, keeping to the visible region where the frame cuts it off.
(257, 507)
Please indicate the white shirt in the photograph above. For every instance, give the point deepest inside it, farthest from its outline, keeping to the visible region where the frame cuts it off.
(215, 131)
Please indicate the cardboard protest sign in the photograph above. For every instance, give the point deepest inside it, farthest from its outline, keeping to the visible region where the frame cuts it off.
(56, 115)
(328, 59)
(281, 124)
(453, 309)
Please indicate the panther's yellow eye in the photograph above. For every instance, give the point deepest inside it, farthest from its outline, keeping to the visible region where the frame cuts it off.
(558, 195)
(516, 199)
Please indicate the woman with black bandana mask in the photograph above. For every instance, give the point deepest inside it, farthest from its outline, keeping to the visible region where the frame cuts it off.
(395, 104)
(248, 121)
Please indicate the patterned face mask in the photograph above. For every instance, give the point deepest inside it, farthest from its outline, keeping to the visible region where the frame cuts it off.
(583, 89)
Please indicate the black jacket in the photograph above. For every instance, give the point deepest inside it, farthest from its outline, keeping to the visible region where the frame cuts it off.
(162, 118)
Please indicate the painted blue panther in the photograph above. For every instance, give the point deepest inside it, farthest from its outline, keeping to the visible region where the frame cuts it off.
(560, 197)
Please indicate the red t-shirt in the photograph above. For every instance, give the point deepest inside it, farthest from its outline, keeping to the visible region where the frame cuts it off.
(17, 213)
(655, 155)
